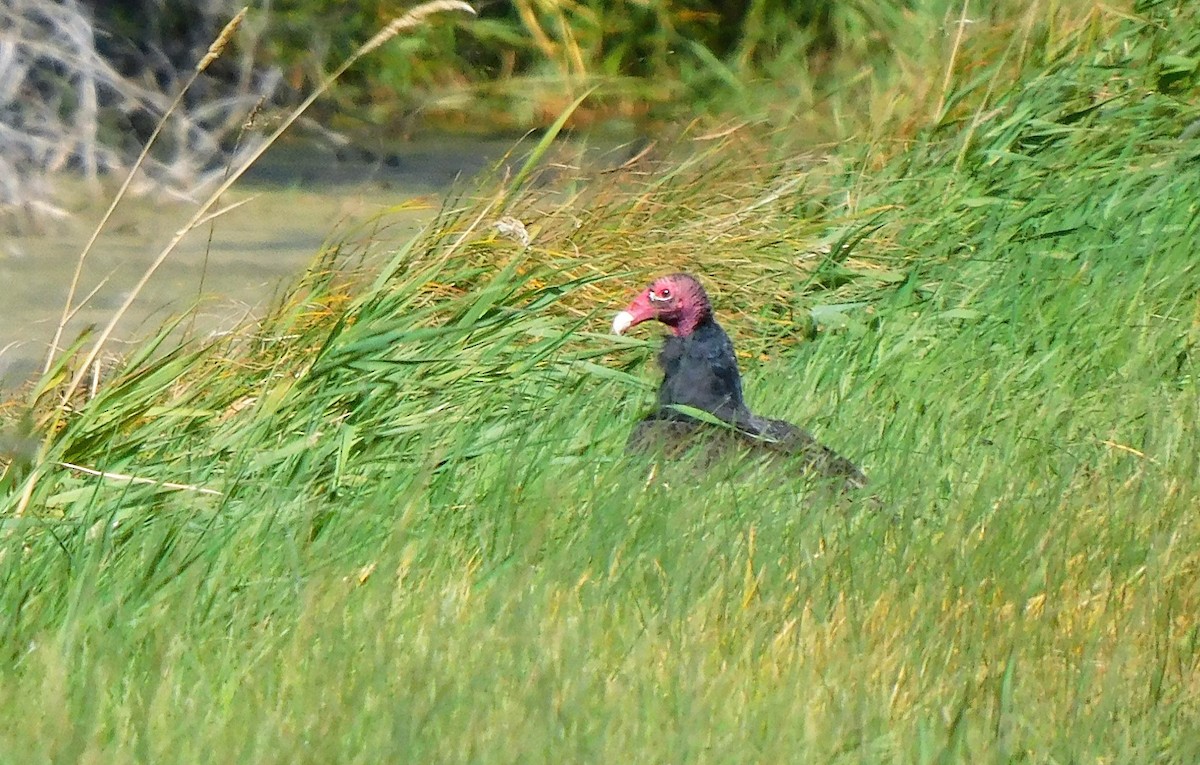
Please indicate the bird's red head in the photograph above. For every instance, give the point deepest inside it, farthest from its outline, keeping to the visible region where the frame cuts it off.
(676, 300)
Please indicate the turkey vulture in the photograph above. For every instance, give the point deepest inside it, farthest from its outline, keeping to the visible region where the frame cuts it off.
(700, 372)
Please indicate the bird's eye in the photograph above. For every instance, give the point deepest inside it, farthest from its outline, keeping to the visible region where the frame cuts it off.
(664, 293)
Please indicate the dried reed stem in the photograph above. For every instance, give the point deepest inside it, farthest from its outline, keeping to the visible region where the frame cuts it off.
(69, 309)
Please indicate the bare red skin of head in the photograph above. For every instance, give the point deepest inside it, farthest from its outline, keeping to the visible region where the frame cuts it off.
(676, 300)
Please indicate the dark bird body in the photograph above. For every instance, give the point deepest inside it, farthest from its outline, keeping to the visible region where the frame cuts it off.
(700, 372)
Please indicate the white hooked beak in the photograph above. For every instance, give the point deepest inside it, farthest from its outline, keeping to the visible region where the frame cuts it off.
(621, 322)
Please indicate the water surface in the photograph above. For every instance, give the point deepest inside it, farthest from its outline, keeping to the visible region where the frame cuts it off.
(299, 198)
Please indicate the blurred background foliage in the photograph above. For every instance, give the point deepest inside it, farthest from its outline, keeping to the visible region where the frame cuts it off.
(875, 71)
(829, 69)
(520, 62)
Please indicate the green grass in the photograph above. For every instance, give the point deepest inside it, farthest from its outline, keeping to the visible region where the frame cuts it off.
(427, 545)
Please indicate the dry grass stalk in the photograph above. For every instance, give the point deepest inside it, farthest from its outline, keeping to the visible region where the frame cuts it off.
(412, 19)
(123, 478)
(218, 45)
